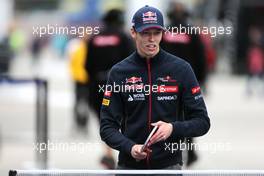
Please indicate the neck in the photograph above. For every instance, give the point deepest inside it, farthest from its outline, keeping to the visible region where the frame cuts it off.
(147, 57)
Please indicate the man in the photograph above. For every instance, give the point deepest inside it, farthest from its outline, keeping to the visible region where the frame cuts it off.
(76, 51)
(151, 88)
(104, 50)
(186, 45)
(189, 47)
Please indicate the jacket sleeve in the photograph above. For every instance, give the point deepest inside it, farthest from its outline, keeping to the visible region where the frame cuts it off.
(196, 121)
(111, 117)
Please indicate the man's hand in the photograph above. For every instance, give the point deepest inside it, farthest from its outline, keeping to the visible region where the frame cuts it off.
(136, 152)
(164, 131)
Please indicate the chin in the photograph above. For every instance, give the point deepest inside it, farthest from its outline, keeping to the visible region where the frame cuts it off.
(152, 54)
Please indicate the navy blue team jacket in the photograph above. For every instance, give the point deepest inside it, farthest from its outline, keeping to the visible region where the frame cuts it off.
(140, 92)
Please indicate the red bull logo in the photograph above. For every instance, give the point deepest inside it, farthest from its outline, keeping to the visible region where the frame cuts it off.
(133, 80)
(196, 90)
(107, 93)
(149, 16)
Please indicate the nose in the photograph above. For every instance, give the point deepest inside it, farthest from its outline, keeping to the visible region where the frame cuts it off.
(151, 37)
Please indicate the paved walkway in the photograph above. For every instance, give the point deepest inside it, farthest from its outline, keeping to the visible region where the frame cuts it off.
(235, 140)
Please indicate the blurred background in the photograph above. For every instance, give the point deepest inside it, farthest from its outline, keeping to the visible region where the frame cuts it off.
(38, 86)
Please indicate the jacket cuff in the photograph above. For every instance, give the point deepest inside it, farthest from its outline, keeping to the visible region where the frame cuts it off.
(128, 146)
(178, 129)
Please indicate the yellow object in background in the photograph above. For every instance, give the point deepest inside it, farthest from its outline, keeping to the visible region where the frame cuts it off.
(77, 53)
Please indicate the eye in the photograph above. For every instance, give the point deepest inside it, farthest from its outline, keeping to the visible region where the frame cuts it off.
(157, 33)
(145, 33)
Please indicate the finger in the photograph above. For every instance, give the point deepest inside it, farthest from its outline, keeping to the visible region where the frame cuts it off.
(157, 123)
(142, 155)
(138, 149)
(148, 150)
(154, 124)
(161, 138)
(155, 136)
(153, 140)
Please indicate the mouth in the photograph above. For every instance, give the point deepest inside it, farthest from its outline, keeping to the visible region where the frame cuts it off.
(151, 47)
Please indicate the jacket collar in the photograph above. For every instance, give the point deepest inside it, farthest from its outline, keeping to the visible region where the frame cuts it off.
(155, 60)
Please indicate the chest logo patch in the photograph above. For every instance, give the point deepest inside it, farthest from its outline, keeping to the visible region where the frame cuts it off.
(133, 80)
(166, 79)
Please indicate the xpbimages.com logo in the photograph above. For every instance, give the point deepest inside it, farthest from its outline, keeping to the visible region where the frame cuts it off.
(49, 29)
(213, 31)
(78, 147)
(146, 89)
(174, 147)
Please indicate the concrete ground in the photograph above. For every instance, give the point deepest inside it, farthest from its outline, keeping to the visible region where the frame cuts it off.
(235, 140)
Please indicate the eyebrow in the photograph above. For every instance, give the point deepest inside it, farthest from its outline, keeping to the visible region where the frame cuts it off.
(155, 30)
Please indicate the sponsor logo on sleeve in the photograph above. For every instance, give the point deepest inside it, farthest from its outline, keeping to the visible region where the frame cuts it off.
(105, 102)
(198, 97)
(196, 90)
(108, 93)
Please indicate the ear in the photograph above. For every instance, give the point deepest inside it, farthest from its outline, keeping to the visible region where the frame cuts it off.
(133, 33)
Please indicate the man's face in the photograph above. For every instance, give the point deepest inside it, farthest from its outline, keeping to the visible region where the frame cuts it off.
(147, 41)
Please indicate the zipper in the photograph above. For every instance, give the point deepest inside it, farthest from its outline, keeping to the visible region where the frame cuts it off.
(150, 107)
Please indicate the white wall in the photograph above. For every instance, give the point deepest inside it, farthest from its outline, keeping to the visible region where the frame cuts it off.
(6, 14)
